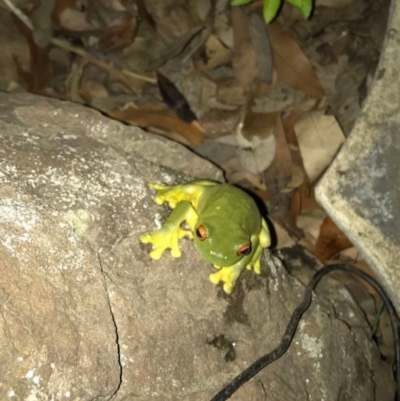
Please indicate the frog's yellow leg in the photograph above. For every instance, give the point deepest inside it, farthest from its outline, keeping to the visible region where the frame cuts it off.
(264, 241)
(170, 233)
(229, 274)
(174, 194)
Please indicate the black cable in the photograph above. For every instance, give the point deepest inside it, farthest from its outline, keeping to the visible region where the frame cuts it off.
(290, 331)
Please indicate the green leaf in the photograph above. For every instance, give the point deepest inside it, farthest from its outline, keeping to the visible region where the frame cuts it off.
(240, 2)
(303, 6)
(270, 9)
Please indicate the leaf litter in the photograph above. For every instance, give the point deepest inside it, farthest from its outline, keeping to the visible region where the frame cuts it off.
(270, 104)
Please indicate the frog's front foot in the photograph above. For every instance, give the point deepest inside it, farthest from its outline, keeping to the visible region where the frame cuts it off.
(170, 194)
(228, 275)
(163, 239)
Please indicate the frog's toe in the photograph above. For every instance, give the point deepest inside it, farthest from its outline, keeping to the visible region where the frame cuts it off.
(157, 187)
(163, 239)
(176, 252)
(228, 288)
(145, 238)
(254, 265)
(156, 253)
(257, 267)
(228, 275)
(159, 199)
(185, 233)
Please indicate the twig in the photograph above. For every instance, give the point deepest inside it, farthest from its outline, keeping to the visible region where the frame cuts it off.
(19, 14)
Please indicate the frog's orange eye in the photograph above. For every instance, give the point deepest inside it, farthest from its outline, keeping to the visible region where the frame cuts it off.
(201, 233)
(244, 250)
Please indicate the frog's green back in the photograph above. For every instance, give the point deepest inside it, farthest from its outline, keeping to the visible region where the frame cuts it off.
(230, 206)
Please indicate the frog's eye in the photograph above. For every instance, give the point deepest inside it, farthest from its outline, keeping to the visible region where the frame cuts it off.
(244, 250)
(201, 233)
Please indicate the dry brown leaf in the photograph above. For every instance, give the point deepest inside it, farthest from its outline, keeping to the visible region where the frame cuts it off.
(172, 19)
(297, 178)
(288, 125)
(73, 20)
(303, 201)
(120, 33)
(147, 54)
(310, 223)
(60, 6)
(217, 54)
(331, 241)
(256, 141)
(279, 173)
(244, 56)
(223, 30)
(157, 117)
(283, 237)
(90, 89)
(203, 8)
(235, 174)
(292, 66)
(319, 137)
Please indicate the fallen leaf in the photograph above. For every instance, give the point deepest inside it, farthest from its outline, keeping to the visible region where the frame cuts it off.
(235, 174)
(42, 23)
(71, 19)
(223, 29)
(156, 117)
(331, 240)
(203, 8)
(303, 202)
(244, 56)
(310, 223)
(256, 141)
(279, 173)
(60, 6)
(174, 99)
(90, 89)
(319, 137)
(261, 45)
(297, 178)
(119, 33)
(292, 66)
(149, 55)
(283, 237)
(217, 54)
(303, 205)
(172, 19)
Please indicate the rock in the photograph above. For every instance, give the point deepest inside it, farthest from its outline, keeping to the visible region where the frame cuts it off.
(87, 315)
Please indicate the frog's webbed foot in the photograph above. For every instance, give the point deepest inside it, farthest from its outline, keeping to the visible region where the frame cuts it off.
(171, 194)
(228, 275)
(164, 238)
(171, 232)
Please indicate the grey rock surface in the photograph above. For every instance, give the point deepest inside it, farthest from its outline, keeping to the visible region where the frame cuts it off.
(361, 189)
(86, 315)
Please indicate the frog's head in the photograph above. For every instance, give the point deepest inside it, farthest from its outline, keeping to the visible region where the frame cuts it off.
(222, 244)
